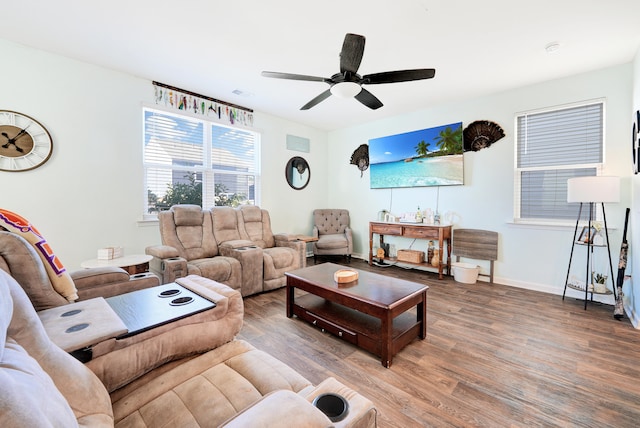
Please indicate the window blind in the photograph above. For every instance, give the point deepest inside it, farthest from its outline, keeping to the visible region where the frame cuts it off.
(191, 160)
(553, 146)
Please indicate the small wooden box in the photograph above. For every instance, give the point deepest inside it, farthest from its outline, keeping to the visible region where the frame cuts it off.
(110, 253)
(412, 256)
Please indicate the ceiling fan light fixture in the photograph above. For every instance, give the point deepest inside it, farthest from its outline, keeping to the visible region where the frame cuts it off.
(345, 89)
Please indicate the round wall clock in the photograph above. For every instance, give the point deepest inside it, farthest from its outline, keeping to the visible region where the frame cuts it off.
(24, 143)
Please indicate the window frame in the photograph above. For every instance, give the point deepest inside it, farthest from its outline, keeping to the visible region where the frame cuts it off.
(597, 167)
(206, 171)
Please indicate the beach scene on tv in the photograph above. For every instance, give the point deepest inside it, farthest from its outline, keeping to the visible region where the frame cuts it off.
(427, 157)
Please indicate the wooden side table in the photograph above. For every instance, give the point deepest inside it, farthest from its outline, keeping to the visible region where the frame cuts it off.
(133, 264)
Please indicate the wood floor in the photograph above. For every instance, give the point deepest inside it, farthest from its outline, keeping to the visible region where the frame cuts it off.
(494, 356)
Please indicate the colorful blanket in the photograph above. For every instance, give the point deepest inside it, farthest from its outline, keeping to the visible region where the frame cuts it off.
(58, 275)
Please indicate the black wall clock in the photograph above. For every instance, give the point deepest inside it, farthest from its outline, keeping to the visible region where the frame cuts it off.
(24, 143)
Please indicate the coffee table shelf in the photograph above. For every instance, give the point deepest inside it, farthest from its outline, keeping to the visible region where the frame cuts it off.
(355, 327)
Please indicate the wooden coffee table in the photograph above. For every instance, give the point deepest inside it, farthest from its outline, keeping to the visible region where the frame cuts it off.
(370, 312)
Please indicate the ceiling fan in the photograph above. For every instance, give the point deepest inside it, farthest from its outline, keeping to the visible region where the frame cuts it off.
(348, 83)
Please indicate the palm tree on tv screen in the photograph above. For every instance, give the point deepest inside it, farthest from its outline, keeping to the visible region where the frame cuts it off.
(450, 141)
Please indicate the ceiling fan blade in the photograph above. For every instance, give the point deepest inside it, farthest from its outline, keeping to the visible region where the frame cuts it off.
(351, 54)
(289, 76)
(368, 99)
(399, 76)
(317, 100)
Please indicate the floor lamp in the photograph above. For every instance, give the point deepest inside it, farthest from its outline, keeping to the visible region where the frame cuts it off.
(592, 190)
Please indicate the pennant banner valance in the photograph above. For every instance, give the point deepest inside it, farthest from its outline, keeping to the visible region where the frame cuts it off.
(180, 99)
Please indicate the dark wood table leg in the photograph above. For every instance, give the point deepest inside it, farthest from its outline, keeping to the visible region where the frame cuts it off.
(290, 299)
(387, 345)
(422, 315)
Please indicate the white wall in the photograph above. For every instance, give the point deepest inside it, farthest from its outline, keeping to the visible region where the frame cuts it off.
(529, 256)
(630, 290)
(89, 194)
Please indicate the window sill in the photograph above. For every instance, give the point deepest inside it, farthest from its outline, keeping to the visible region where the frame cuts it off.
(551, 225)
(148, 222)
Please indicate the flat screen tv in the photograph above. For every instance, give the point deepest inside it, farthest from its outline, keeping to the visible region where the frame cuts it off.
(427, 157)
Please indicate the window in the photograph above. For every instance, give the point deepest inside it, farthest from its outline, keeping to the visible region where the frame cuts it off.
(194, 161)
(553, 146)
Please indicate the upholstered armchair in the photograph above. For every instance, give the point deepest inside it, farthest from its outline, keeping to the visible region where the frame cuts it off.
(332, 229)
(281, 252)
(188, 248)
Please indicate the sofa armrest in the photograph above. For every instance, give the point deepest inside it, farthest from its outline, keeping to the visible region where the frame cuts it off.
(280, 408)
(299, 246)
(235, 244)
(162, 251)
(109, 281)
(285, 237)
(87, 278)
(362, 412)
(349, 233)
(166, 263)
(117, 362)
(251, 259)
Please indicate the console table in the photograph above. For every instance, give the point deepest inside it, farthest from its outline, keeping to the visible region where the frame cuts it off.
(435, 232)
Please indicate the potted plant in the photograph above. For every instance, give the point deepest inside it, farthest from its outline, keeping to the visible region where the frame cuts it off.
(599, 282)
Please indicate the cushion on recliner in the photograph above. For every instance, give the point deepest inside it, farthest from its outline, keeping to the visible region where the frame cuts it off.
(24, 265)
(184, 228)
(225, 224)
(187, 215)
(217, 268)
(216, 386)
(257, 225)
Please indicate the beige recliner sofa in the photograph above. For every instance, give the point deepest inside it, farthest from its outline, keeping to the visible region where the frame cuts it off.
(187, 248)
(233, 385)
(20, 260)
(103, 347)
(235, 246)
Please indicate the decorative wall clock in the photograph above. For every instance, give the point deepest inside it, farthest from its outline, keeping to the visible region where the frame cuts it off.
(24, 143)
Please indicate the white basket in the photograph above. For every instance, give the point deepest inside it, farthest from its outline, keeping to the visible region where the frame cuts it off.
(466, 273)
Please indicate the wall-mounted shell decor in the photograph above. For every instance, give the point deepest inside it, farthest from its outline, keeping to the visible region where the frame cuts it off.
(481, 134)
(360, 158)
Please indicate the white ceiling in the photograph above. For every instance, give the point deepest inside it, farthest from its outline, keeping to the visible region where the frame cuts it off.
(214, 47)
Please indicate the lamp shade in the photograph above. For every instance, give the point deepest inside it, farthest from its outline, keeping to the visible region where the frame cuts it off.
(593, 189)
